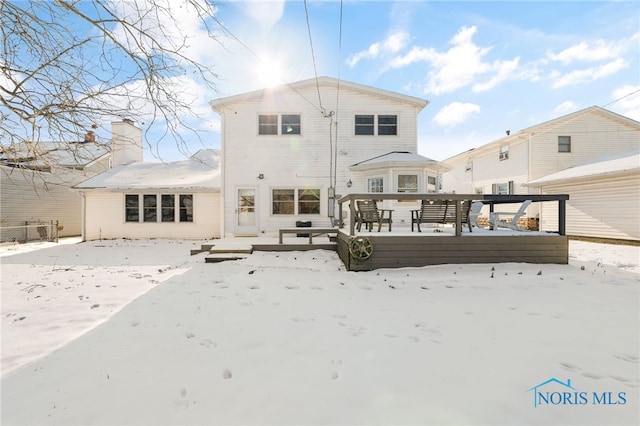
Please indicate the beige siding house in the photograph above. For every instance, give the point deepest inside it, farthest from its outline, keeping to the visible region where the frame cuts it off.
(605, 197)
(507, 165)
(289, 152)
(35, 179)
(179, 200)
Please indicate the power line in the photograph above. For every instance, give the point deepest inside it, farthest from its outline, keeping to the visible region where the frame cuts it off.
(335, 153)
(313, 56)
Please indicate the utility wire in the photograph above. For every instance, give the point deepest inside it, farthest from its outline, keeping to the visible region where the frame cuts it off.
(335, 153)
(313, 56)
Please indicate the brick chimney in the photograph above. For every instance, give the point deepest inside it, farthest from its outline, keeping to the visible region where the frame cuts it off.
(126, 142)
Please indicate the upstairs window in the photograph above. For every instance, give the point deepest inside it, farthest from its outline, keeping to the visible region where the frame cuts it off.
(504, 152)
(381, 125)
(364, 125)
(387, 125)
(268, 124)
(288, 124)
(564, 143)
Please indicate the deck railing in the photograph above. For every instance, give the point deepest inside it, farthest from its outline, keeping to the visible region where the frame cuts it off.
(490, 199)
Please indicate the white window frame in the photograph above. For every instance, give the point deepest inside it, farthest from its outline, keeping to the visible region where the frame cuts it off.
(296, 200)
(396, 181)
(375, 177)
(376, 124)
(504, 153)
(564, 144)
(177, 218)
(280, 131)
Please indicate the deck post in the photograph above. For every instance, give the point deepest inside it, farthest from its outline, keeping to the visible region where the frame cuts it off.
(458, 218)
(352, 218)
(562, 217)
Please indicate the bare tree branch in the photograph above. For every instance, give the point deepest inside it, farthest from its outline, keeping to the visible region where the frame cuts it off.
(66, 65)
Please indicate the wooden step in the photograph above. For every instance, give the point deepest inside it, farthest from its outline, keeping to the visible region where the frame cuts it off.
(202, 249)
(223, 257)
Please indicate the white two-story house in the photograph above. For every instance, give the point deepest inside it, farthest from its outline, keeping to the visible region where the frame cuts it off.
(289, 152)
(508, 166)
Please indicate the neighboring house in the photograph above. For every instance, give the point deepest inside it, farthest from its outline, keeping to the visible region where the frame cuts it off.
(505, 166)
(36, 178)
(155, 200)
(605, 197)
(289, 152)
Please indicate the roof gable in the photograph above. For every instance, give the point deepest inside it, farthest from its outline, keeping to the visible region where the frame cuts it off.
(522, 135)
(319, 82)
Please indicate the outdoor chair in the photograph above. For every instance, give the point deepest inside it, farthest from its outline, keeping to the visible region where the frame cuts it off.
(495, 222)
(430, 212)
(368, 213)
(465, 210)
(474, 213)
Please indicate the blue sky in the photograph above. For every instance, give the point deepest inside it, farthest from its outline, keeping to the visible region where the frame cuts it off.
(485, 67)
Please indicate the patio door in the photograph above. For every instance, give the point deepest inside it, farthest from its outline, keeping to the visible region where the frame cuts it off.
(246, 219)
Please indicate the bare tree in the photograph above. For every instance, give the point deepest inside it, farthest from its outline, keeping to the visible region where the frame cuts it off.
(69, 64)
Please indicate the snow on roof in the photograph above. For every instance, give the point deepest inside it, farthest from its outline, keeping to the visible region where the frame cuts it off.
(399, 159)
(46, 154)
(200, 171)
(612, 164)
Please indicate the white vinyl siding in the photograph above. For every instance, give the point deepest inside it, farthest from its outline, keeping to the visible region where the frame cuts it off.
(303, 161)
(593, 135)
(601, 208)
(42, 197)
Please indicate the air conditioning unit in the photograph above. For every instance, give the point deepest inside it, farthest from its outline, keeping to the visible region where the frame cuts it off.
(504, 155)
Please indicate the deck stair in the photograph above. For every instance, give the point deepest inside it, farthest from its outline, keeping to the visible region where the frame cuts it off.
(202, 249)
(228, 251)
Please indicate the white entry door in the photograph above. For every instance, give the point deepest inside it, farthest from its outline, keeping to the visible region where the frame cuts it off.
(246, 219)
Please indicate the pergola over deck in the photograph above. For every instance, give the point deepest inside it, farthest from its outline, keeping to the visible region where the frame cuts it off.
(490, 199)
(403, 249)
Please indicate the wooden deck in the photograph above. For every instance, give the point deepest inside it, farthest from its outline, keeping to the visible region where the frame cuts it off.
(397, 251)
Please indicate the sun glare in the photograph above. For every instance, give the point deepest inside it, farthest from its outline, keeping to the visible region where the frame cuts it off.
(270, 73)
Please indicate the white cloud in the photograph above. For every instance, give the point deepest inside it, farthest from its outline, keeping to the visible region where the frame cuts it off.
(584, 51)
(455, 113)
(629, 101)
(459, 66)
(265, 13)
(392, 44)
(587, 75)
(504, 70)
(566, 107)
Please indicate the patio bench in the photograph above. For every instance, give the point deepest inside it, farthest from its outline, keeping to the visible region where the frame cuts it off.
(312, 232)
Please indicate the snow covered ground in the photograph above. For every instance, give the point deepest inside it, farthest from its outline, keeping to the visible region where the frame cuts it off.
(138, 332)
